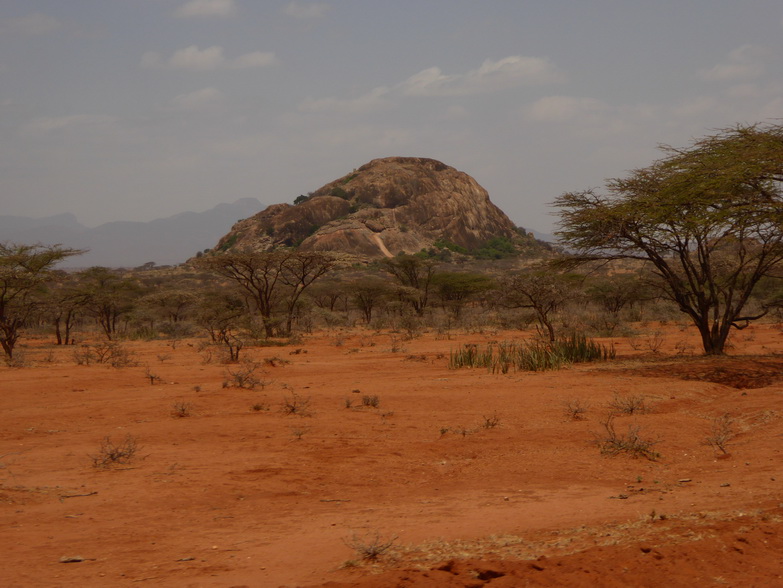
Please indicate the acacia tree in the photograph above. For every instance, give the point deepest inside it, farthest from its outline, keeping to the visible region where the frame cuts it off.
(544, 292)
(414, 274)
(456, 289)
(707, 219)
(269, 279)
(368, 293)
(109, 297)
(24, 270)
(65, 301)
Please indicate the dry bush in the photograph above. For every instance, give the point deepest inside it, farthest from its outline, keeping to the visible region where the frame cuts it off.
(396, 344)
(83, 355)
(460, 430)
(371, 400)
(574, 410)
(612, 443)
(490, 422)
(19, 360)
(296, 405)
(246, 376)
(112, 353)
(111, 454)
(275, 361)
(152, 376)
(298, 432)
(630, 404)
(721, 433)
(654, 341)
(371, 546)
(181, 409)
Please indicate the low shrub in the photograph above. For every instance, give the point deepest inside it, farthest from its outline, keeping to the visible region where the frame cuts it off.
(632, 443)
(111, 454)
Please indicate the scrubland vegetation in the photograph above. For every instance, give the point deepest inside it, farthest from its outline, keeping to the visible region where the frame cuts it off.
(293, 390)
(697, 233)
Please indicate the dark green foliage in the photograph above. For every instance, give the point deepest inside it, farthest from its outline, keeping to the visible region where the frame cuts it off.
(349, 177)
(496, 248)
(340, 193)
(446, 244)
(230, 242)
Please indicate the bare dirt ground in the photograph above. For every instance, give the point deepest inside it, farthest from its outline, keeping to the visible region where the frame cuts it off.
(476, 479)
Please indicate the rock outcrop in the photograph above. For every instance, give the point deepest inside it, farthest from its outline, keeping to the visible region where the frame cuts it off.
(386, 207)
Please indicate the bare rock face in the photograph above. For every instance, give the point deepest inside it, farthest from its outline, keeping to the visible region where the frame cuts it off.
(386, 207)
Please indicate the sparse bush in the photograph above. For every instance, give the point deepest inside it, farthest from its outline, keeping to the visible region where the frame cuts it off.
(111, 454)
(396, 344)
(152, 377)
(296, 405)
(83, 355)
(371, 546)
(114, 354)
(630, 404)
(490, 422)
(654, 341)
(259, 406)
(372, 401)
(612, 443)
(275, 361)
(460, 430)
(181, 409)
(298, 432)
(721, 433)
(19, 359)
(246, 376)
(574, 410)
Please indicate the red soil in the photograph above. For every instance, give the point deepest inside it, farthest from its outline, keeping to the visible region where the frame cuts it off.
(231, 496)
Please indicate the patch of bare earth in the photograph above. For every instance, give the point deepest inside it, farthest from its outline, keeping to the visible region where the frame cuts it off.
(471, 478)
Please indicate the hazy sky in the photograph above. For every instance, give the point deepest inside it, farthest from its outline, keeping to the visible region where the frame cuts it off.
(140, 109)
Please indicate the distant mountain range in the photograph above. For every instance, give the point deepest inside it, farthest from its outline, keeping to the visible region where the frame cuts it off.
(164, 241)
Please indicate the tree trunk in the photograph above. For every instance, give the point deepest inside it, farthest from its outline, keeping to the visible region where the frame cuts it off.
(713, 340)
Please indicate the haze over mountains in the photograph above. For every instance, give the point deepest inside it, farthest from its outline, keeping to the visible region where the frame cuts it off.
(164, 241)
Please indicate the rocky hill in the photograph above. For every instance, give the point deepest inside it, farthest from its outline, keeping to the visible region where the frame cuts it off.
(386, 207)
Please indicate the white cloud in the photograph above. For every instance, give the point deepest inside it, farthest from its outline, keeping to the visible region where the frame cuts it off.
(373, 100)
(47, 124)
(306, 9)
(199, 100)
(199, 8)
(491, 76)
(35, 23)
(745, 62)
(565, 109)
(254, 59)
(194, 59)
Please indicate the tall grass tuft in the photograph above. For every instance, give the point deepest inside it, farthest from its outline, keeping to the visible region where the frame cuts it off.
(530, 355)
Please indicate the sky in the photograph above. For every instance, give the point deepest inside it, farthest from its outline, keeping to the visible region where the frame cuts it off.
(141, 109)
